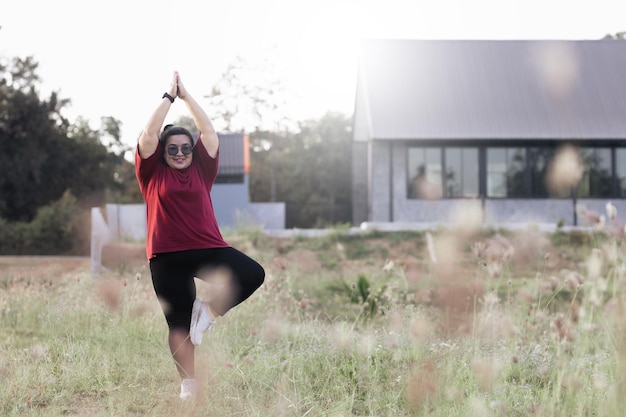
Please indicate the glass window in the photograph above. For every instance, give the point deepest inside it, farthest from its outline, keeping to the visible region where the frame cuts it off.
(539, 159)
(516, 172)
(620, 171)
(461, 179)
(506, 172)
(454, 177)
(496, 172)
(424, 172)
(598, 175)
(470, 172)
(510, 172)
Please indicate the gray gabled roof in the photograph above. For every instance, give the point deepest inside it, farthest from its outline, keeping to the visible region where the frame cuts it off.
(466, 89)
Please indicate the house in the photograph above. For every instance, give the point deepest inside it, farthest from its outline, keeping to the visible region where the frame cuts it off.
(443, 124)
(230, 193)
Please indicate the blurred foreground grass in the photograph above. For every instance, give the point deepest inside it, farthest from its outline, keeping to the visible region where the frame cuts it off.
(502, 324)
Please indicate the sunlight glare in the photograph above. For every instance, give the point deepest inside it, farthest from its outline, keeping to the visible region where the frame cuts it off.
(328, 53)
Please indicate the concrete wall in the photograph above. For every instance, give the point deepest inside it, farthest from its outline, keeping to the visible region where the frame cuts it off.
(126, 221)
(529, 210)
(228, 201)
(360, 187)
(269, 215)
(499, 212)
(380, 202)
(233, 208)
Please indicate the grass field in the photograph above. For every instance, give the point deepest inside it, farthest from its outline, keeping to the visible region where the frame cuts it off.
(377, 324)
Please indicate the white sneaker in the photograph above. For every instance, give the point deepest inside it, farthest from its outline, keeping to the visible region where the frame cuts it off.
(188, 389)
(201, 321)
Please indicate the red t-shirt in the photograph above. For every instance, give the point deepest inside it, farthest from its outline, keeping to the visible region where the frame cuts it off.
(179, 209)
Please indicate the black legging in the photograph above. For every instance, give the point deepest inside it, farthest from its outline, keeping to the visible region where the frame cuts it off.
(233, 273)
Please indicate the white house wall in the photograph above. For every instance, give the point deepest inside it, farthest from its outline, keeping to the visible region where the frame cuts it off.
(271, 216)
(380, 182)
(228, 200)
(360, 187)
(529, 210)
(126, 221)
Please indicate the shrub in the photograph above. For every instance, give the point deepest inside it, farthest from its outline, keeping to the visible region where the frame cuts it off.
(11, 237)
(52, 232)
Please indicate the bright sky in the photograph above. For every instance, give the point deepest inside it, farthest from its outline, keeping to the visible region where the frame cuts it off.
(115, 58)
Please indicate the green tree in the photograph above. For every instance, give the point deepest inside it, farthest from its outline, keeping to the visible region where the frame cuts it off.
(101, 174)
(32, 132)
(44, 155)
(326, 147)
(305, 165)
(311, 170)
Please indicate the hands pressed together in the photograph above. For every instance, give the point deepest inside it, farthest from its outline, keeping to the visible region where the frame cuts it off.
(177, 88)
(148, 140)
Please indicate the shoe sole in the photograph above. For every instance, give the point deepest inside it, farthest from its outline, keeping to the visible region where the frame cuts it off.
(195, 319)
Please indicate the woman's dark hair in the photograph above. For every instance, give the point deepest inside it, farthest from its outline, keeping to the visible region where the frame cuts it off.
(170, 130)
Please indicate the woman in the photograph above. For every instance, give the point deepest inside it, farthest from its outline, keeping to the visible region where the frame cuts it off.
(175, 175)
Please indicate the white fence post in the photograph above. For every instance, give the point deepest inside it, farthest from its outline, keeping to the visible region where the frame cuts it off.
(100, 236)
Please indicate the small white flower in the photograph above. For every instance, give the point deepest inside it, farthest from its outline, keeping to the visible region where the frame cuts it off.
(611, 211)
(389, 265)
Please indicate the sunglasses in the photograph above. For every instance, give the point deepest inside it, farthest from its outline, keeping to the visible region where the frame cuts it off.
(186, 149)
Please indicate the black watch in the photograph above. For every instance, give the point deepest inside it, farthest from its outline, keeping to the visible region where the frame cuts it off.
(167, 96)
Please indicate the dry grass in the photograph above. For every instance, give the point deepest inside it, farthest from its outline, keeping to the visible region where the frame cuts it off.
(503, 324)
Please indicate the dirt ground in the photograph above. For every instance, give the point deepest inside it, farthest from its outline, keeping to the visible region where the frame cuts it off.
(27, 266)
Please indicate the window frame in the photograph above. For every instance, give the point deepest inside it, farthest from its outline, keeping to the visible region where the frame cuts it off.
(537, 157)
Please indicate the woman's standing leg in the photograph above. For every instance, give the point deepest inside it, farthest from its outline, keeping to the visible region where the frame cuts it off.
(175, 288)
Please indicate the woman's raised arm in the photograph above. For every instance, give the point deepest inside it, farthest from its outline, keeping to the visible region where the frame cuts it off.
(149, 137)
(208, 136)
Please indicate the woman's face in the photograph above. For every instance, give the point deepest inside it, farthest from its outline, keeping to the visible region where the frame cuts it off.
(178, 151)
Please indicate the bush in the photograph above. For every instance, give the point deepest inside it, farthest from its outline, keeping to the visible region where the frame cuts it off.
(52, 231)
(11, 237)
